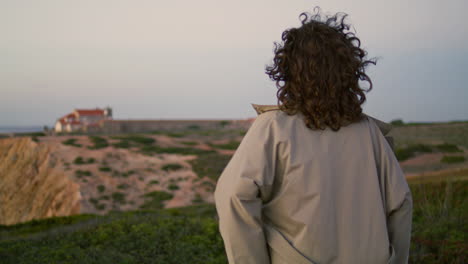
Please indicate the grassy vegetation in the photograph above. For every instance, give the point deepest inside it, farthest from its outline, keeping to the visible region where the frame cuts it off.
(149, 150)
(173, 187)
(210, 165)
(187, 235)
(189, 143)
(96, 204)
(122, 186)
(172, 167)
(71, 142)
(429, 134)
(448, 148)
(190, 234)
(105, 169)
(119, 197)
(82, 173)
(101, 188)
(411, 150)
(139, 139)
(155, 200)
(155, 182)
(98, 142)
(452, 159)
(231, 145)
(439, 222)
(80, 160)
(404, 153)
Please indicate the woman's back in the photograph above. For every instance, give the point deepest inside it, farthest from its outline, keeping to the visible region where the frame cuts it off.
(328, 194)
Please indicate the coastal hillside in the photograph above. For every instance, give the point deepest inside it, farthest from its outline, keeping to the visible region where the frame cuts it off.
(32, 186)
(63, 175)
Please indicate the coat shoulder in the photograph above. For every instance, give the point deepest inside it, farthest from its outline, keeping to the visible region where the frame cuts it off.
(260, 109)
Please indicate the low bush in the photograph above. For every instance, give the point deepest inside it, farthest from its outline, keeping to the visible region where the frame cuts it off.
(71, 142)
(148, 150)
(105, 169)
(81, 173)
(119, 197)
(411, 150)
(189, 143)
(155, 200)
(98, 142)
(448, 148)
(137, 139)
(101, 188)
(452, 159)
(80, 161)
(210, 165)
(173, 187)
(171, 167)
(122, 186)
(122, 144)
(231, 145)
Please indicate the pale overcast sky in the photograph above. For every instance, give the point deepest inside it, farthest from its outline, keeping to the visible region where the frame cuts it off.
(186, 59)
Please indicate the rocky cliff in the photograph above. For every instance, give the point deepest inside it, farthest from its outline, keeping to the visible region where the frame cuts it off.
(30, 185)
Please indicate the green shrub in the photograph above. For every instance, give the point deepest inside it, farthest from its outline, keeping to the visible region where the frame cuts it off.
(176, 135)
(210, 165)
(172, 167)
(137, 139)
(81, 173)
(71, 142)
(128, 173)
(154, 200)
(154, 182)
(80, 161)
(452, 159)
(448, 148)
(104, 197)
(409, 152)
(397, 122)
(105, 169)
(189, 143)
(101, 188)
(98, 142)
(122, 144)
(224, 123)
(122, 186)
(173, 187)
(231, 145)
(118, 197)
(148, 150)
(193, 127)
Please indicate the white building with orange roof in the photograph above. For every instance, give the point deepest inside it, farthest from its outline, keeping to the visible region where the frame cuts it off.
(82, 120)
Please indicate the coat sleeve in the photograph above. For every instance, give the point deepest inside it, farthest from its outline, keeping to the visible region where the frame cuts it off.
(397, 199)
(239, 193)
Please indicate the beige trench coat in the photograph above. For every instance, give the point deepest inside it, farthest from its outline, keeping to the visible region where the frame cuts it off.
(295, 195)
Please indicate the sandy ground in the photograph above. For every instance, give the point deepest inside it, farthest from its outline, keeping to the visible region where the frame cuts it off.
(131, 173)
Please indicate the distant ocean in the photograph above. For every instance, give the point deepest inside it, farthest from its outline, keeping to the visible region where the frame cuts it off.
(20, 129)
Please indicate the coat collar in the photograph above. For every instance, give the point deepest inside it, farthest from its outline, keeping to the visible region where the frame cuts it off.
(384, 127)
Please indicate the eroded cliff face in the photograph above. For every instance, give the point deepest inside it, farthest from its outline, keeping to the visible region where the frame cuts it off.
(30, 185)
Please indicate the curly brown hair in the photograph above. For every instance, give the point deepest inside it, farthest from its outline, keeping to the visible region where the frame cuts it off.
(317, 71)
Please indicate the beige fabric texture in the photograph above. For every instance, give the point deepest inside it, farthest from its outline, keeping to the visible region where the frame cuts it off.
(295, 195)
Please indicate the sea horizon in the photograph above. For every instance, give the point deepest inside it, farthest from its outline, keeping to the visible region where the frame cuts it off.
(20, 129)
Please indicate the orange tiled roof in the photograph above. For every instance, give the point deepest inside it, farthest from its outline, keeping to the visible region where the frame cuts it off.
(90, 112)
